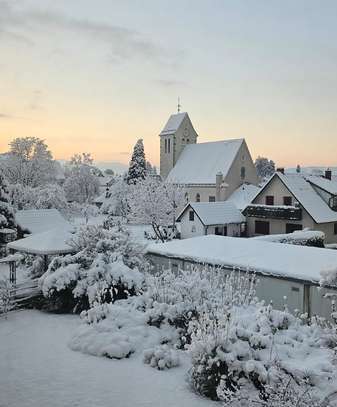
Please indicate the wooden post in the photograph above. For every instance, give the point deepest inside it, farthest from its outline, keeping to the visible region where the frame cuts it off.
(12, 272)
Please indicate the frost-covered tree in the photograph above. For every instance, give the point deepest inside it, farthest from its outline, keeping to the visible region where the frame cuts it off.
(29, 162)
(117, 203)
(265, 168)
(81, 184)
(155, 202)
(137, 167)
(150, 169)
(6, 210)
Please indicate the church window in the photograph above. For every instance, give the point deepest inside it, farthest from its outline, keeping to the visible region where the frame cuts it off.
(169, 146)
(197, 198)
(186, 197)
(211, 198)
(243, 172)
(188, 140)
(165, 146)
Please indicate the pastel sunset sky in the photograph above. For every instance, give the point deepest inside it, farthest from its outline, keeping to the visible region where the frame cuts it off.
(96, 75)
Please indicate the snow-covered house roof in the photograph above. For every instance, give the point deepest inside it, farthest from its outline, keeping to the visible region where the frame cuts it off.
(40, 220)
(54, 241)
(243, 195)
(199, 163)
(173, 123)
(327, 185)
(306, 196)
(278, 259)
(215, 213)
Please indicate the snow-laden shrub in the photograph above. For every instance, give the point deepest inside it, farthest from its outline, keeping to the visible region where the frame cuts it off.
(306, 237)
(249, 350)
(105, 268)
(118, 330)
(178, 298)
(5, 297)
(161, 357)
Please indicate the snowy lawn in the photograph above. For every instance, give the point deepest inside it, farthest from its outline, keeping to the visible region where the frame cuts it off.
(37, 368)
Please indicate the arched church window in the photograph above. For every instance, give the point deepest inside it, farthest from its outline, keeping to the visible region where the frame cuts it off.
(169, 146)
(186, 197)
(165, 146)
(243, 172)
(197, 198)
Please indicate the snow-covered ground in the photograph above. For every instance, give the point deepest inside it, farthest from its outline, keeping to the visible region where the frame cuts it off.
(37, 368)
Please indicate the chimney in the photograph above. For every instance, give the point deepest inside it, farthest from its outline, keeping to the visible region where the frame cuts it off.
(218, 184)
(281, 170)
(328, 174)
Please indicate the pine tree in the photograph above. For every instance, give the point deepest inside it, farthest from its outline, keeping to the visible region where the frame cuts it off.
(6, 211)
(137, 167)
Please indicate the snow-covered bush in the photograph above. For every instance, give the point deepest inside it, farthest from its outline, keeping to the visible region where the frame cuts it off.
(5, 297)
(161, 357)
(250, 350)
(116, 203)
(106, 267)
(304, 237)
(6, 210)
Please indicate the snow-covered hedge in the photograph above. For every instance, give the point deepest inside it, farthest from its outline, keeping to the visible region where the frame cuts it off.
(106, 267)
(161, 357)
(304, 237)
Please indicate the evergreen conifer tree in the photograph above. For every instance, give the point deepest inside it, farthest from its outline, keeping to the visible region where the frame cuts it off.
(137, 167)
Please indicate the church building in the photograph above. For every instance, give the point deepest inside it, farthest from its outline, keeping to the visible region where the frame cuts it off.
(209, 171)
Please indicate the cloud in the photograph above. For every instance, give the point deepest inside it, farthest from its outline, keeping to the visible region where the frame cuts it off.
(6, 116)
(123, 43)
(167, 83)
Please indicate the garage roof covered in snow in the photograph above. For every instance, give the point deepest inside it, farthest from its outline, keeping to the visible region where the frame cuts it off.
(200, 163)
(40, 220)
(287, 261)
(215, 213)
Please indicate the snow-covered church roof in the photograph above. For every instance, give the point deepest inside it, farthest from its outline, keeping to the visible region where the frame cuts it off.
(215, 213)
(173, 123)
(199, 163)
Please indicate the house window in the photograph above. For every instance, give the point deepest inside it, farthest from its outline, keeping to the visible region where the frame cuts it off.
(211, 198)
(165, 146)
(287, 200)
(197, 198)
(335, 228)
(269, 200)
(243, 172)
(262, 227)
(191, 216)
(292, 227)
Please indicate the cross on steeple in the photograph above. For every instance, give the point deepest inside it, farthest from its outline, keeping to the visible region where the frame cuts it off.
(179, 105)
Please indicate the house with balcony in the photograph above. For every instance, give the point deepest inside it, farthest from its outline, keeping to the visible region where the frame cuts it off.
(290, 202)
